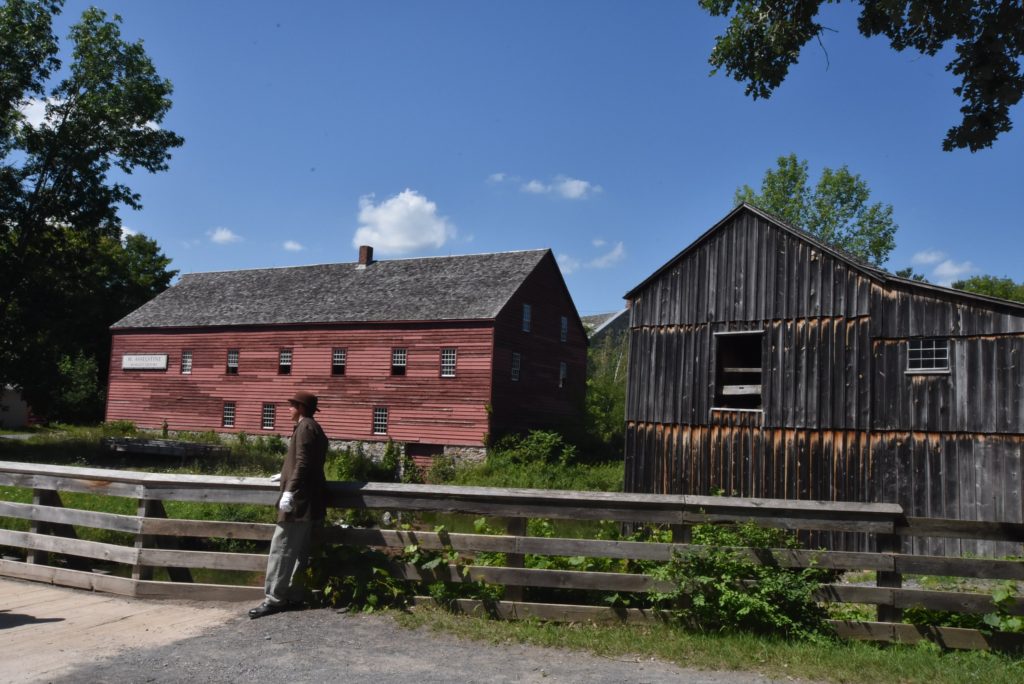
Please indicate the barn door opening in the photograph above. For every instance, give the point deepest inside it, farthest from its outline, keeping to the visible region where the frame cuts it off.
(738, 370)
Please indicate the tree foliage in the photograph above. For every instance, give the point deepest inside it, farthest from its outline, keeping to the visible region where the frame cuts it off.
(993, 286)
(65, 273)
(606, 396)
(764, 39)
(836, 209)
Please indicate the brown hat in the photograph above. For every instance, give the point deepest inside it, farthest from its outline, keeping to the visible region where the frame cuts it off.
(306, 399)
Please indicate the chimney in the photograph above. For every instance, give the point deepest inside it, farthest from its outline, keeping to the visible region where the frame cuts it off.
(365, 256)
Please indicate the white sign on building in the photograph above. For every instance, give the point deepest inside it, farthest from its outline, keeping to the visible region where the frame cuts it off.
(144, 362)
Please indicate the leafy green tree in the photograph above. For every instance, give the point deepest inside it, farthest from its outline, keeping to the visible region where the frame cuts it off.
(910, 273)
(606, 396)
(64, 272)
(764, 39)
(836, 209)
(1005, 288)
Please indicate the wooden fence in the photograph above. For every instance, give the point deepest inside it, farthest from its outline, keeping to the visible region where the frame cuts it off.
(157, 538)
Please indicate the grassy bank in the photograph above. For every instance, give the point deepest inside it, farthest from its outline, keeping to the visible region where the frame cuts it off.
(833, 662)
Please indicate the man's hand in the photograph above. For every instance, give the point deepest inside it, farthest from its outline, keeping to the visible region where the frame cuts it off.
(287, 502)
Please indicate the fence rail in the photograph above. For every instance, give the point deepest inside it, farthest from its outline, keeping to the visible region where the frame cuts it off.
(156, 540)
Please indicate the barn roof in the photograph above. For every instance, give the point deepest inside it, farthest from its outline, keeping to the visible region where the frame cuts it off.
(877, 274)
(425, 289)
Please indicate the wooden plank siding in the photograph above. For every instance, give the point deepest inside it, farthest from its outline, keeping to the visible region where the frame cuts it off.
(423, 407)
(840, 418)
(536, 398)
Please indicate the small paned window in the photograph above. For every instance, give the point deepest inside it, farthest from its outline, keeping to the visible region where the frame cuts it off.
(269, 416)
(338, 357)
(398, 359)
(563, 373)
(928, 355)
(232, 362)
(284, 362)
(448, 356)
(380, 420)
(517, 362)
(186, 362)
(227, 416)
(738, 370)
(527, 317)
(563, 334)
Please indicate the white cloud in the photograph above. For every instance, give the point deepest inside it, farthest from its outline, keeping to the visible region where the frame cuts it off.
(947, 271)
(401, 224)
(927, 257)
(292, 246)
(567, 263)
(598, 242)
(127, 232)
(34, 111)
(617, 254)
(564, 186)
(223, 236)
(496, 177)
(574, 188)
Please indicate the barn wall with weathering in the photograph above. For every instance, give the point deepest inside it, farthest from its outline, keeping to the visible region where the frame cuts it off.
(812, 310)
(423, 407)
(537, 399)
(840, 417)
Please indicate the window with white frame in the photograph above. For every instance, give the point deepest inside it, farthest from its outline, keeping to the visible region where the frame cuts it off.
(448, 356)
(227, 416)
(527, 317)
(338, 359)
(232, 368)
(563, 373)
(928, 355)
(517, 362)
(380, 420)
(186, 362)
(563, 334)
(284, 362)
(269, 416)
(399, 356)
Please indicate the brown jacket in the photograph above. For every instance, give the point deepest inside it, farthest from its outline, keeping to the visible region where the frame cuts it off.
(303, 472)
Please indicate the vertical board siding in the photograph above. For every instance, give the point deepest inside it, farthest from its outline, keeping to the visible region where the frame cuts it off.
(423, 407)
(536, 400)
(841, 420)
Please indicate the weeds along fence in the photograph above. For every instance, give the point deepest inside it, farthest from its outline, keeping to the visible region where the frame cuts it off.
(159, 556)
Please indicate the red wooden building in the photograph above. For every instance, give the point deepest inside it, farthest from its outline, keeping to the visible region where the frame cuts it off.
(434, 352)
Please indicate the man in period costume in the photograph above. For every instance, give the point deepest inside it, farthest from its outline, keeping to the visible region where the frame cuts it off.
(302, 505)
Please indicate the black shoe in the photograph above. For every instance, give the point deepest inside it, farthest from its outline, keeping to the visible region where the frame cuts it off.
(265, 609)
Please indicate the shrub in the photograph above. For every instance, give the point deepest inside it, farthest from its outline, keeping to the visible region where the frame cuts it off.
(720, 588)
(118, 428)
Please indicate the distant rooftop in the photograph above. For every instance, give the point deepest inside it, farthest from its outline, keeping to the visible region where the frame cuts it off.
(433, 288)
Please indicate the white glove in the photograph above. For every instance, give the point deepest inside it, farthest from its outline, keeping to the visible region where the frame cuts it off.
(275, 478)
(286, 504)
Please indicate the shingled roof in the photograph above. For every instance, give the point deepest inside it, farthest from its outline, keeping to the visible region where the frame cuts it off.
(427, 289)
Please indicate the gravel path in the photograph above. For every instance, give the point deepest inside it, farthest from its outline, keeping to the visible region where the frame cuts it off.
(326, 646)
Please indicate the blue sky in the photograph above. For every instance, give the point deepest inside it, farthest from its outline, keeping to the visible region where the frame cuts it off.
(592, 128)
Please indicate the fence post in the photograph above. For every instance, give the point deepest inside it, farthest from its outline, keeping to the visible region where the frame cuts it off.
(40, 497)
(889, 543)
(516, 527)
(147, 508)
(49, 497)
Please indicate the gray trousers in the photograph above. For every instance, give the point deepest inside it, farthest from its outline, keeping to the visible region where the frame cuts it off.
(289, 556)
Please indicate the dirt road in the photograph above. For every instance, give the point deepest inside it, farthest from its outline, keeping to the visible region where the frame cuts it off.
(50, 634)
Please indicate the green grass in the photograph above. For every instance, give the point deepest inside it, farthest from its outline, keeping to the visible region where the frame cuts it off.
(832, 662)
(602, 477)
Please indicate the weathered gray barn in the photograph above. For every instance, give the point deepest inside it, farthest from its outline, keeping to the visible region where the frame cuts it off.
(766, 363)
